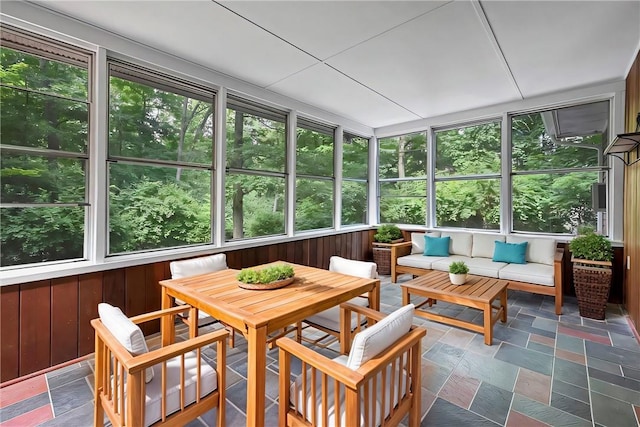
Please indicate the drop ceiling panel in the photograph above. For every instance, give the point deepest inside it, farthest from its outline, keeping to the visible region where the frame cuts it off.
(558, 45)
(199, 31)
(325, 28)
(439, 63)
(322, 86)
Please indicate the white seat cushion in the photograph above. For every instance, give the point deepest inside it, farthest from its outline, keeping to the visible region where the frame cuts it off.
(372, 341)
(128, 334)
(485, 267)
(367, 270)
(540, 274)
(484, 244)
(330, 318)
(195, 266)
(443, 263)
(541, 251)
(417, 241)
(417, 260)
(461, 242)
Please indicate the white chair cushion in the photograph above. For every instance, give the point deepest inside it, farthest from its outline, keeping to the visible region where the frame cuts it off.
(541, 251)
(417, 241)
(418, 260)
(195, 266)
(443, 263)
(541, 274)
(367, 270)
(330, 318)
(484, 267)
(128, 334)
(296, 396)
(372, 341)
(484, 244)
(461, 242)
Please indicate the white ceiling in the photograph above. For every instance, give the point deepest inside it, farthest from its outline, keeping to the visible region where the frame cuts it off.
(387, 62)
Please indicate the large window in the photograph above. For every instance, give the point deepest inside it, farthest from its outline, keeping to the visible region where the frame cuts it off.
(355, 171)
(44, 122)
(255, 180)
(556, 160)
(314, 176)
(467, 176)
(160, 161)
(403, 179)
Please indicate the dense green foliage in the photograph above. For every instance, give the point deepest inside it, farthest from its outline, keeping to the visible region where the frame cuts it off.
(265, 275)
(387, 233)
(591, 246)
(458, 267)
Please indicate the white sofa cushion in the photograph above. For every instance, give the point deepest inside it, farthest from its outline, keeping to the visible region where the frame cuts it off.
(443, 263)
(195, 266)
(417, 260)
(484, 244)
(128, 334)
(417, 241)
(330, 318)
(485, 267)
(539, 250)
(461, 242)
(540, 274)
(372, 341)
(368, 270)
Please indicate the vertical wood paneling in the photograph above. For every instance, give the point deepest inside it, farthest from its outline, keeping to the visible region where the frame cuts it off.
(35, 326)
(91, 289)
(64, 319)
(153, 274)
(113, 288)
(9, 330)
(134, 290)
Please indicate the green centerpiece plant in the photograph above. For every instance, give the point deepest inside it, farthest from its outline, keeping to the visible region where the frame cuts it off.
(458, 271)
(388, 233)
(271, 277)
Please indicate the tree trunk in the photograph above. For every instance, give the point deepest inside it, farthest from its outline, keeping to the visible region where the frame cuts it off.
(238, 191)
(402, 143)
(183, 133)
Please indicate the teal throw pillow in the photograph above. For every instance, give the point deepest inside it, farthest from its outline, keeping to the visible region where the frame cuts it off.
(514, 253)
(436, 246)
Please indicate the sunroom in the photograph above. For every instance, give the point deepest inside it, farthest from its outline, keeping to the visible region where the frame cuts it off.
(137, 134)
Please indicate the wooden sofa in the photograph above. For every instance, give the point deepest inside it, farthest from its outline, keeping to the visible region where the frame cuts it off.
(406, 258)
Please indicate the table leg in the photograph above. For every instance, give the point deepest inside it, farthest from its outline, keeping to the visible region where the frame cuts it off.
(405, 296)
(256, 376)
(503, 303)
(488, 324)
(167, 330)
(374, 296)
(193, 322)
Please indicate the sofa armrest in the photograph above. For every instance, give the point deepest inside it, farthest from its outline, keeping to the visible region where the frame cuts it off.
(398, 250)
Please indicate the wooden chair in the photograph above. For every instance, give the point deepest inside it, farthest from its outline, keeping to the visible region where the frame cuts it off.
(377, 385)
(328, 321)
(194, 267)
(168, 386)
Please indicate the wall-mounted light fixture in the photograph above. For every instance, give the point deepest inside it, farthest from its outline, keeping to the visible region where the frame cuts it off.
(624, 143)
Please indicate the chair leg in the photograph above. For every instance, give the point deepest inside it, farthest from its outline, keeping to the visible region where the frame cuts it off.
(232, 336)
(299, 332)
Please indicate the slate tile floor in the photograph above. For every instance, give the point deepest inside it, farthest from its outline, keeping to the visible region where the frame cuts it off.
(542, 369)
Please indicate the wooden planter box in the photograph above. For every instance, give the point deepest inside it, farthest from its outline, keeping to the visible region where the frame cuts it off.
(592, 283)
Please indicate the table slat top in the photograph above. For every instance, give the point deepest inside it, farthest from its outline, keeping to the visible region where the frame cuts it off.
(477, 288)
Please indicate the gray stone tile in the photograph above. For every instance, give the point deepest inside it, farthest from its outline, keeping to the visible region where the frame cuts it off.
(622, 329)
(586, 329)
(631, 373)
(570, 372)
(445, 414)
(526, 327)
(445, 355)
(433, 375)
(628, 383)
(478, 346)
(570, 390)
(546, 324)
(78, 417)
(572, 406)
(612, 412)
(536, 346)
(532, 360)
(603, 365)
(526, 318)
(620, 356)
(510, 335)
(70, 396)
(492, 402)
(615, 391)
(56, 379)
(569, 343)
(24, 406)
(546, 414)
(493, 371)
(628, 342)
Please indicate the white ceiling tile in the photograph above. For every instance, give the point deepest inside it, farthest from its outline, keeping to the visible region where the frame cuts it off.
(559, 45)
(431, 66)
(324, 28)
(322, 86)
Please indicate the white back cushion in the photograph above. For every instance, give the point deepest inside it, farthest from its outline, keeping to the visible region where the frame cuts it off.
(125, 331)
(368, 270)
(484, 244)
(541, 251)
(417, 241)
(195, 266)
(461, 242)
(372, 341)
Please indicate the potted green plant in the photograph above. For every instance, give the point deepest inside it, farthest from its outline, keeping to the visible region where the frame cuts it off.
(591, 255)
(271, 277)
(458, 271)
(386, 235)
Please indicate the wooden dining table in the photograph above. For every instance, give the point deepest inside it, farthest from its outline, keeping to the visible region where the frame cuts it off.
(257, 314)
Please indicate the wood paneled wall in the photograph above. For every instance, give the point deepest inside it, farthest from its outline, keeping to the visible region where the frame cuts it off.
(632, 201)
(46, 323)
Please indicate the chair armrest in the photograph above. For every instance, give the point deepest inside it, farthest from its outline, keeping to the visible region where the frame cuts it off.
(400, 249)
(344, 375)
(159, 313)
(160, 355)
(366, 311)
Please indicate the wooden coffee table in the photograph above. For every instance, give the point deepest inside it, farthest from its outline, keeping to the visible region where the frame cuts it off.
(478, 292)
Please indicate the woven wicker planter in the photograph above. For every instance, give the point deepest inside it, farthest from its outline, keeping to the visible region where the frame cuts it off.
(592, 282)
(382, 256)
